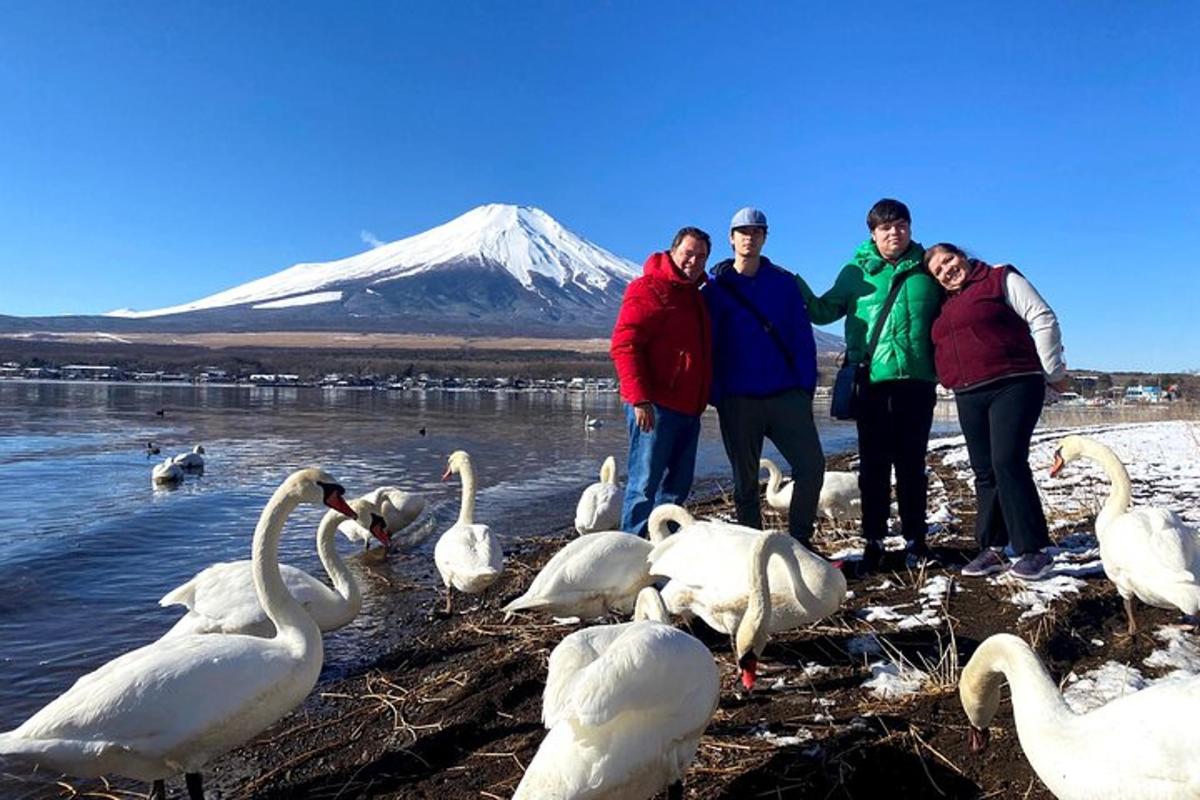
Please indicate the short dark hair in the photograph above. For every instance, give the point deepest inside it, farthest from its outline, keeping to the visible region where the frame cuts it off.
(943, 247)
(695, 233)
(887, 210)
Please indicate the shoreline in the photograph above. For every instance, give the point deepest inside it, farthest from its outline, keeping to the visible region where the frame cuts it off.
(451, 708)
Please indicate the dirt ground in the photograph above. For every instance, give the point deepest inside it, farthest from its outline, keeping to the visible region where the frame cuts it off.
(452, 710)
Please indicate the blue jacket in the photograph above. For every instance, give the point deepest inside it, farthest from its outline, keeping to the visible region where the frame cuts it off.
(746, 359)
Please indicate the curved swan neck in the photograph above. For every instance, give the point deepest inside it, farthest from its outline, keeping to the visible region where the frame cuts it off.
(656, 525)
(289, 617)
(1119, 495)
(756, 623)
(608, 470)
(335, 568)
(774, 476)
(466, 515)
(1035, 697)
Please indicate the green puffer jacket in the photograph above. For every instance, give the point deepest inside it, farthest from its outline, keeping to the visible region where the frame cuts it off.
(905, 349)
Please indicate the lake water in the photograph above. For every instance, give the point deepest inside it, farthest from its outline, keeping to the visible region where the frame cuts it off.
(91, 546)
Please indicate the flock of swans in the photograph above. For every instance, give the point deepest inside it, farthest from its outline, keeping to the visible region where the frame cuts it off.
(624, 704)
(171, 471)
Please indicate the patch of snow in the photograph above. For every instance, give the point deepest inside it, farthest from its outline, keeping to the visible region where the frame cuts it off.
(302, 300)
(1096, 687)
(764, 733)
(889, 680)
(1036, 597)
(1182, 654)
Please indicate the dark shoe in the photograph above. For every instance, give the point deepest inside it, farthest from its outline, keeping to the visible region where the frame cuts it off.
(918, 554)
(988, 562)
(872, 557)
(1032, 566)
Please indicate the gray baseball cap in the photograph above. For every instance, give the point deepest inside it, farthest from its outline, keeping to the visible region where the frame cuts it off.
(748, 217)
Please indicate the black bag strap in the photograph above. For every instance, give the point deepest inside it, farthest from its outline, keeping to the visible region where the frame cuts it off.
(883, 313)
(767, 327)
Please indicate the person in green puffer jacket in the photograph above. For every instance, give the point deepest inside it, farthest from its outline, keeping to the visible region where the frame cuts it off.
(896, 411)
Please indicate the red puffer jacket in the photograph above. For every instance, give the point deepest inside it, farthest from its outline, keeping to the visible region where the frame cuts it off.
(662, 342)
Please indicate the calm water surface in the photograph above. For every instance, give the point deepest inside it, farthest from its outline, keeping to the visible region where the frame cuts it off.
(91, 545)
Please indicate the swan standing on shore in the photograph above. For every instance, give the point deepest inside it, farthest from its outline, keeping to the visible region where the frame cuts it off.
(173, 705)
(224, 599)
(1139, 747)
(468, 556)
(591, 576)
(599, 507)
(398, 508)
(839, 499)
(1148, 553)
(168, 473)
(625, 706)
(193, 461)
(777, 571)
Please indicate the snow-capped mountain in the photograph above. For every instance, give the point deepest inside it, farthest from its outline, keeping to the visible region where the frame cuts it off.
(496, 269)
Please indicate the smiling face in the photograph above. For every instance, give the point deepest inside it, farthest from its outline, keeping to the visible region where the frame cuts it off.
(892, 238)
(690, 256)
(948, 268)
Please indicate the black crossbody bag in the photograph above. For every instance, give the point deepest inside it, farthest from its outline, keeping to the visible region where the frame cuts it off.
(852, 379)
(767, 327)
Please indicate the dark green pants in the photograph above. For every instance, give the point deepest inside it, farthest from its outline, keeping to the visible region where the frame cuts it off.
(787, 420)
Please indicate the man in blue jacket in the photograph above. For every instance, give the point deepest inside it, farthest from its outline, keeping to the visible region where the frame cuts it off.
(764, 372)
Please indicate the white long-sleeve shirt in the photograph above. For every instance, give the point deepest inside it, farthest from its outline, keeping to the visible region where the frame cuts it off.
(1043, 324)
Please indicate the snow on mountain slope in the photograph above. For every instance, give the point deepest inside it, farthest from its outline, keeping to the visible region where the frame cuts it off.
(526, 242)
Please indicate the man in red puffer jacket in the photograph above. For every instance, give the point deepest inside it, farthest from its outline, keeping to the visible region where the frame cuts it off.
(662, 349)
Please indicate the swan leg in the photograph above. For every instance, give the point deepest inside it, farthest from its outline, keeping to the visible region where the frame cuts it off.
(449, 600)
(195, 786)
(1129, 614)
(675, 791)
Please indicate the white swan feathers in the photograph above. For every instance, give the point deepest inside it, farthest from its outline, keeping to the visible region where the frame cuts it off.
(167, 473)
(1138, 747)
(468, 556)
(596, 574)
(839, 500)
(625, 706)
(700, 560)
(223, 598)
(174, 704)
(1148, 553)
(193, 461)
(398, 508)
(599, 507)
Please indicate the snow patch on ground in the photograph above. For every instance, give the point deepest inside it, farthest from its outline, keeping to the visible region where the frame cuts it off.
(889, 680)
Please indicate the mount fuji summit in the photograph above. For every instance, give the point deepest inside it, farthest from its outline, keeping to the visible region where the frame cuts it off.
(497, 269)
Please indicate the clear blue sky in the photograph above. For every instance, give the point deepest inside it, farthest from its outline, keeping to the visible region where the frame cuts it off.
(157, 152)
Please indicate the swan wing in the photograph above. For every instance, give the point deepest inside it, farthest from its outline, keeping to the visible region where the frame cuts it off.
(569, 658)
(599, 508)
(648, 667)
(600, 564)
(177, 701)
(701, 555)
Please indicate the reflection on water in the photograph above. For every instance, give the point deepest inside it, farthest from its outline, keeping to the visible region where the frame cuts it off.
(90, 546)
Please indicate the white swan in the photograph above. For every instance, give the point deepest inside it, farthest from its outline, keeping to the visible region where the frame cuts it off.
(1148, 553)
(592, 422)
(223, 598)
(398, 508)
(468, 556)
(599, 507)
(626, 706)
(193, 461)
(591, 576)
(717, 572)
(168, 473)
(1139, 747)
(174, 704)
(839, 498)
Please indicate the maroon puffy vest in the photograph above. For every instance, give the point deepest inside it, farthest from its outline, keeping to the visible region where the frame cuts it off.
(977, 337)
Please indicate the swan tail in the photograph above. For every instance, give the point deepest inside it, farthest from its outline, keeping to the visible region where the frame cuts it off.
(522, 603)
(608, 470)
(183, 595)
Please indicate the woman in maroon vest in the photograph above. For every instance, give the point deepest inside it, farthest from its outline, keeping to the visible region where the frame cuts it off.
(997, 345)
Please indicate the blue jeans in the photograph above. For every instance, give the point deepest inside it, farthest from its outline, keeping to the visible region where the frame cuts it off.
(661, 464)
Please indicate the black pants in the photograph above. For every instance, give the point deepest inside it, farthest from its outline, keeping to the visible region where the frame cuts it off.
(997, 421)
(893, 431)
(786, 419)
